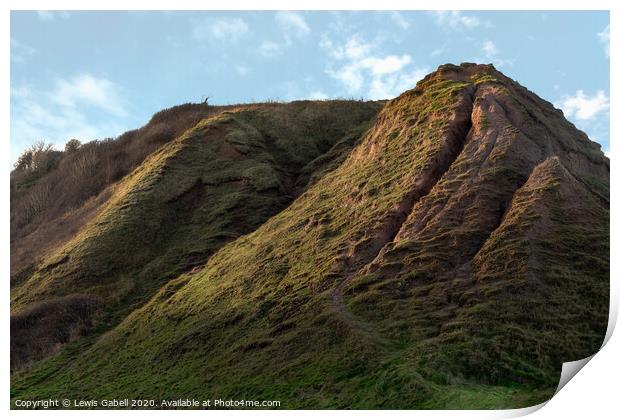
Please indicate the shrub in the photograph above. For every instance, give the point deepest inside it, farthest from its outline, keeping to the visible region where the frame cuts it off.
(38, 331)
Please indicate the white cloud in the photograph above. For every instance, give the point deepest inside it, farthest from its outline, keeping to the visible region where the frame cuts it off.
(318, 95)
(20, 52)
(385, 65)
(455, 19)
(293, 22)
(293, 92)
(603, 38)
(349, 75)
(224, 29)
(49, 15)
(241, 69)
(270, 49)
(490, 53)
(489, 49)
(88, 90)
(399, 20)
(83, 107)
(353, 49)
(584, 107)
(293, 26)
(363, 71)
(45, 15)
(395, 84)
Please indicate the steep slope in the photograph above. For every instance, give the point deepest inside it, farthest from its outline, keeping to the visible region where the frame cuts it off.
(219, 180)
(436, 266)
(49, 207)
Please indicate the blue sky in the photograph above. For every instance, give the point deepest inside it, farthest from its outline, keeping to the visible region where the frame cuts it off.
(91, 75)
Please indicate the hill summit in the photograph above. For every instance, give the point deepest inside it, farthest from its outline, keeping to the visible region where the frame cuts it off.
(445, 249)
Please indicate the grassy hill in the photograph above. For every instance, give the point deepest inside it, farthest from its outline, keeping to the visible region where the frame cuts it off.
(218, 180)
(452, 257)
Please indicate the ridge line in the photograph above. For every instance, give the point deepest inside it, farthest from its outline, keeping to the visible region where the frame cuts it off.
(457, 135)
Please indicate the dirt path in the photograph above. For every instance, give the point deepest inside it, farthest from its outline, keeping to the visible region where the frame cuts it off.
(366, 329)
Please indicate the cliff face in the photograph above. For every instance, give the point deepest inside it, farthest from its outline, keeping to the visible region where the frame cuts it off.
(454, 256)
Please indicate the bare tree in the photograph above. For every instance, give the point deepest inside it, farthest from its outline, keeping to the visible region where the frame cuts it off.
(72, 145)
(38, 157)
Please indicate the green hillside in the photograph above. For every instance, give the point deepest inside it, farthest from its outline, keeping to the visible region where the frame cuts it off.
(218, 180)
(450, 253)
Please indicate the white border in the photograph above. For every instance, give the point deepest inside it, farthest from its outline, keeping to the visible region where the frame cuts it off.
(592, 394)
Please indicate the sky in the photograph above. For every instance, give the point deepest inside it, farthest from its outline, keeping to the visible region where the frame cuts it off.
(93, 75)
